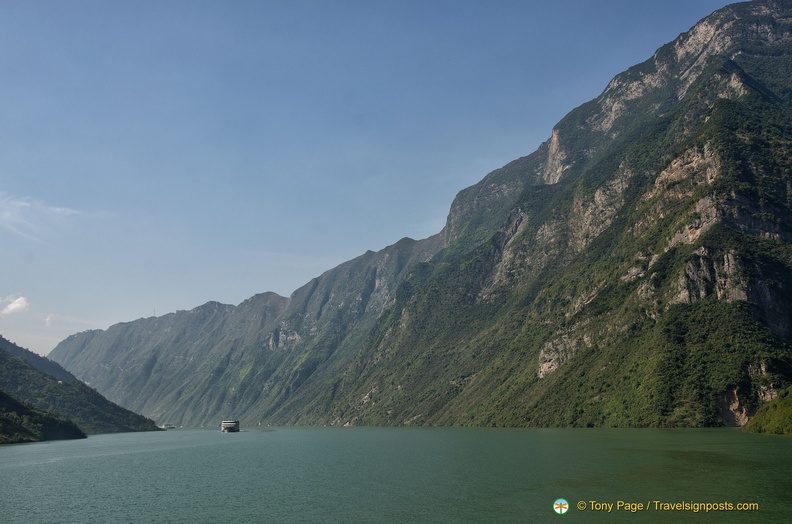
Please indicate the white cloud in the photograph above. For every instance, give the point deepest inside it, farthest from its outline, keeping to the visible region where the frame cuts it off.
(15, 305)
(27, 218)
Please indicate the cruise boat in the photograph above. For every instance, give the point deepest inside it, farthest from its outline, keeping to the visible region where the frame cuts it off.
(229, 426)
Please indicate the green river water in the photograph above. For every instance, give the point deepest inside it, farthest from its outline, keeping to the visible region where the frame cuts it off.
(401, 475)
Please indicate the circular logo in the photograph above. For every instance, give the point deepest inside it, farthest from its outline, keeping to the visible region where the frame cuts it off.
(561, 506)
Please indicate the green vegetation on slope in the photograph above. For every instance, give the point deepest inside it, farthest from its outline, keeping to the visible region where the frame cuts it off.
(20, 422)
(774, 417)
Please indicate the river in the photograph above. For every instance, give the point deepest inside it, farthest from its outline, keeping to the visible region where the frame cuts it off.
(414, 475)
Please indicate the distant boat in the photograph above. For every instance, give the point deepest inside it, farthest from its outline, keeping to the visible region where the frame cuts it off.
(229, 426)
(167, 426)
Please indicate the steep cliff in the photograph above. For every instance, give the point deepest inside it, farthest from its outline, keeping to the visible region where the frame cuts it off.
(644, 283)
(633, 271)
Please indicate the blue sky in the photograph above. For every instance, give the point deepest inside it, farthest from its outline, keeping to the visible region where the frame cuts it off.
(155, 155)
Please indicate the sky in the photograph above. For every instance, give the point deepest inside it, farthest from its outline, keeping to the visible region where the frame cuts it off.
(156, 155)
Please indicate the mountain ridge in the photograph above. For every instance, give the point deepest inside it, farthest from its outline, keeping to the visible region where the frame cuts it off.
(549, 295)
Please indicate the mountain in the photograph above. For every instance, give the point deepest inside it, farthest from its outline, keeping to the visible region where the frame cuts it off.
(633, 271)
(217, 361)
(43, 386)
(22, 423)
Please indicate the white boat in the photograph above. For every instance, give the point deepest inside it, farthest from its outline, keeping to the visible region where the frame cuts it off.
(229, 426)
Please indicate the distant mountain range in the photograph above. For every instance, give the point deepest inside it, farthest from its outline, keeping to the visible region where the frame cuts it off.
(633, 271)
(39, 400)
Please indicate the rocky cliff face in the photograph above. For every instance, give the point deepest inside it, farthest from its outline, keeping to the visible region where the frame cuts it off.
(631, 271)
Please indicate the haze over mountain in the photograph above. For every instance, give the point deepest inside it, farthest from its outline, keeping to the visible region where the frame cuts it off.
(632, 271)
